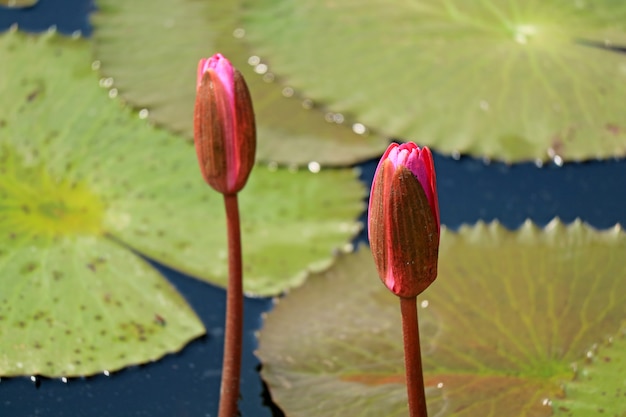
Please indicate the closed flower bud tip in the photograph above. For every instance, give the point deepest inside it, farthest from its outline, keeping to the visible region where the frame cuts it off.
(403, 219)
(224, 126)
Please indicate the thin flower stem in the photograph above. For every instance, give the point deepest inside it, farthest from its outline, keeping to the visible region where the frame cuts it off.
(413, 358)
(231, 367)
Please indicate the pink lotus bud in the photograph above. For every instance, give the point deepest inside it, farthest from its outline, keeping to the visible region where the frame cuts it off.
(224, 128)
(403, 222)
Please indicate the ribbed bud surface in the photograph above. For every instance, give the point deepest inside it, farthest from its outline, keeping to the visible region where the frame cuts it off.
(224, 126)
(403, 220)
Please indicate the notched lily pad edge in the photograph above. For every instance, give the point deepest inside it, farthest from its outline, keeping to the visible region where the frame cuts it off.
(527, 231)
(553, 225)
(556, 224)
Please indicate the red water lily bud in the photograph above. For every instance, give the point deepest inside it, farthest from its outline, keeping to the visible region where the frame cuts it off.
(224, 127)
(403, 219)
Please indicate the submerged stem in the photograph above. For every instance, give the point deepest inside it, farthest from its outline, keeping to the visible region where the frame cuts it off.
(231, 367)
(413, 358)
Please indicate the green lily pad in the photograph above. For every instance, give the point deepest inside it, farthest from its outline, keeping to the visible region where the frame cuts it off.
(159, 73)
(85, 179)
(73, 301)
(511, 80)
(82, 305)
(18, 4)
(500, 327)
(600, 385)
(155, 200)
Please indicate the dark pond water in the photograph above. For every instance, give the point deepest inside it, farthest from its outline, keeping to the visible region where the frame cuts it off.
(187, 383)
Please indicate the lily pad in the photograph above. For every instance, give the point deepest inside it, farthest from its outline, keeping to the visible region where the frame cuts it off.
(500, 327)
(82, 305)
(510, 80)
(73, 301)
(599, 388)
(18, 4)
(152, 63)
(154, 198)
(85, 180)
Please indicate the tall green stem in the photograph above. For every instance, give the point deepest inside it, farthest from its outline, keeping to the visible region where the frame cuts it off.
(413, 358)
(231, 367)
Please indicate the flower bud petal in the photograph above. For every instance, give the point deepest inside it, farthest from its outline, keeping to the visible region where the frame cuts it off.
(212, 125)
(246, 132)
(413, 237)
(224, 126)
(404, 220)
(377, 231)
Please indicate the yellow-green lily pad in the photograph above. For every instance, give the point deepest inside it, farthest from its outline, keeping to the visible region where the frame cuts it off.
(149, 49)
(87, 185)
(599, 388)
(508, 315)
(512, 80)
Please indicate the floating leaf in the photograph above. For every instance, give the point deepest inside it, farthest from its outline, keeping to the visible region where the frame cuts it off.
(155, 200)
(81, 305)
(73, 301)
(159, 73)
(18, 4)
(600, 386)
(500, 327)
(84, 180)
(512, 80)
